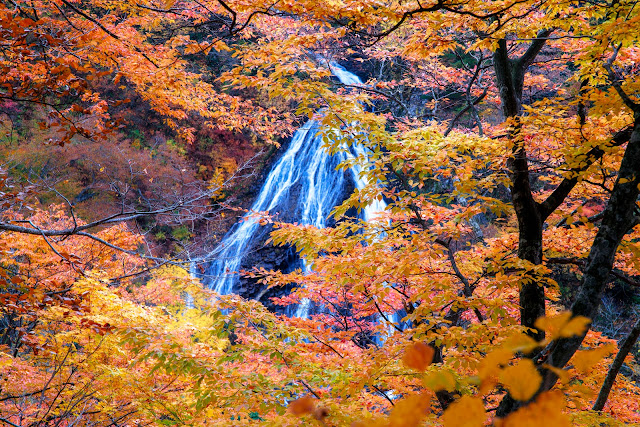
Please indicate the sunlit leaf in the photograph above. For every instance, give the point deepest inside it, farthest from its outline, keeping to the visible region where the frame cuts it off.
(522, 379)
(467, 411)
(418, 356)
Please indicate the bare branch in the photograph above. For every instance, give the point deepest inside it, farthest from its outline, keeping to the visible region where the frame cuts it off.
(615, 82)
(625, 348)
(563, 189)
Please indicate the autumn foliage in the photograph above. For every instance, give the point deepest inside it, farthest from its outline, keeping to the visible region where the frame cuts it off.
(503, 138)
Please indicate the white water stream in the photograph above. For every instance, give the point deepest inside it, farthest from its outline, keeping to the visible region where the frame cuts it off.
(304, 185)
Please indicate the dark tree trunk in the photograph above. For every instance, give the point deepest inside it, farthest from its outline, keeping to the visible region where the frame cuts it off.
(618, 219)
(509, 78)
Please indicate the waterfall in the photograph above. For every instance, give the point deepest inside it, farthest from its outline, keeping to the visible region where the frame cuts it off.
(303, 187)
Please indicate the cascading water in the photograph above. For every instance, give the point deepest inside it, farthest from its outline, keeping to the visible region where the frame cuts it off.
(303, 187)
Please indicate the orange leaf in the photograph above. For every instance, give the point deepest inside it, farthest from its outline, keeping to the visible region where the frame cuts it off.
(546, 410)
(410, 411)
(302, 406)
(467, 411)
(418, 356)
(585, 360)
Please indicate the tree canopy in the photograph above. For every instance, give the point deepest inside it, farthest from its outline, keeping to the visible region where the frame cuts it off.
(502, 136)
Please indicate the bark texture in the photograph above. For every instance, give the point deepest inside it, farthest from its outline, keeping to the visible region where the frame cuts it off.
(510, 79)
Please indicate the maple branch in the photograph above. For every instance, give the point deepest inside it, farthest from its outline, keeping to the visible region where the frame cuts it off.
(380, 391)
(122, 216)
(581, 262)
(4, 420)
(71, 263)
(159, 263)
(108, 32)
(21, 11)
(628, 280)
(304, 383)
(492, 15)
(479, 67)
(234, 27)
(384, 316)
(615, 82)
(439, 5)
(406, 15)
(469, 106)
(234, 14)
(20, 396)
(114, 422)
(404, 294)
(534, 49)
(592, 219)
(330, 347)
(53, 375)
(509, 76)
(468, 287)
(626, 347)
(618, 217)
(563, 189)
(68, 232)
(582, 107)
(117, 218)
(376, 91)
(339, 316)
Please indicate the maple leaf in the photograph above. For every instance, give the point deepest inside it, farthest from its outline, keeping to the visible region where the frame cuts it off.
(303, 405)
(418, 356)
(467, 411)
(563, 325)
(522, 379)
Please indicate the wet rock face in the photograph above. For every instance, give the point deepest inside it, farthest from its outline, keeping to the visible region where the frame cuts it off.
(277, 258)
(269, 257)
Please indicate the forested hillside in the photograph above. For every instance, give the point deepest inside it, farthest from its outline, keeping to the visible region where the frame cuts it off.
(167, 252)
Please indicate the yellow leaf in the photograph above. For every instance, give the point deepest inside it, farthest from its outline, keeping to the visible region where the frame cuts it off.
(490, 368)
(521, 343)
(552, 324)
(491, 364)
(410, 411)
(522, 379)
(562, 375)
(418, 356)
(575, 327)
(546, 410)
(585, 360)
(5, 360)
(465, 412)
(562, 325)
(440, 380)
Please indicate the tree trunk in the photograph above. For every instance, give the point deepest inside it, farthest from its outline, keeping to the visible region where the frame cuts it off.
(509, 78)
(618, 218)
(627, 344)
